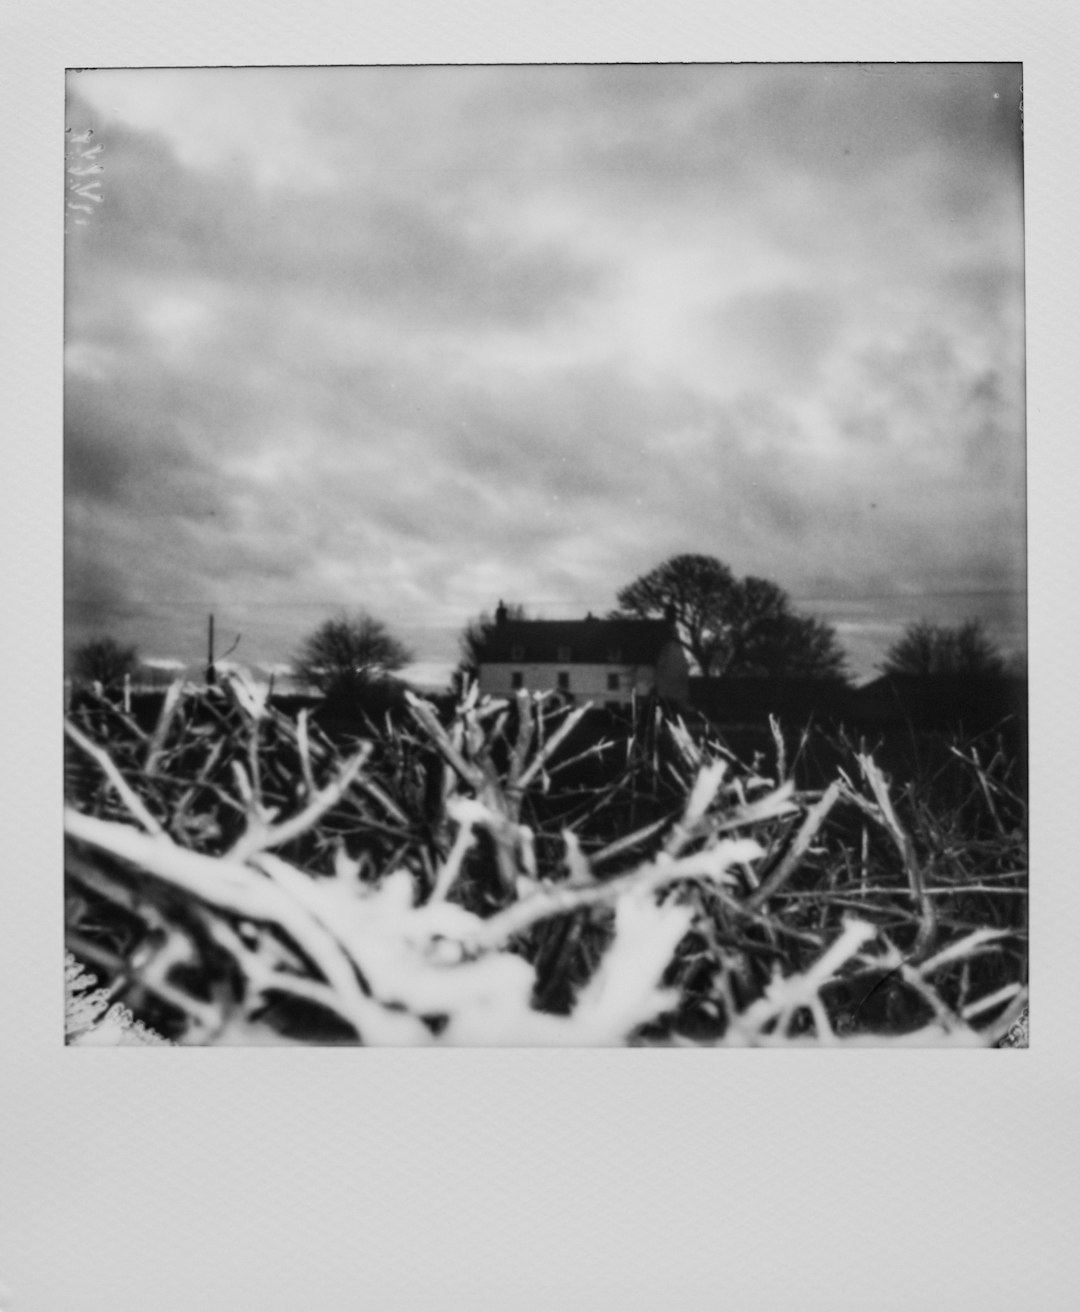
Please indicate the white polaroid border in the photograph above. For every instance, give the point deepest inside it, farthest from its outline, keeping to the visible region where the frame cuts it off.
(276, 1179)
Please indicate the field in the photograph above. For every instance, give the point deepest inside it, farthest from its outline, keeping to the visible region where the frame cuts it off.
(486, 873)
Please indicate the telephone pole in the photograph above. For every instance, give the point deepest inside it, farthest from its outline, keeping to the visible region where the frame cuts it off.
(210, 654)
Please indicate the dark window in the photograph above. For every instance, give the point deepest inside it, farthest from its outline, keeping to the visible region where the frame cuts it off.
(563, 654)
(614, 654)
(613, 683)
(564, 681)
(517, 653)
(517, 679)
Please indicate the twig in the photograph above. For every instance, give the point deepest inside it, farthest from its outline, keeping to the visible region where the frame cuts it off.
(260, 836)
(428, 721)
(785, 996)
(557, 738)
(240, 891)
(792, 859)
(625, 844)
(161, 728)
(711, 864)
(991, 1001)
(263, 979)
(690, 823)
(130, 799)
(777, 803)
(961, 949)
(888, 818)
(303, 746)
(974, 761)
(523, 741)
(153, 974)
(467, 814)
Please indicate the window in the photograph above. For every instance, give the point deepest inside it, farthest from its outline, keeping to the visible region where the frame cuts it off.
(564, 680)
(563, 654)
(613, 683)
(517, 653)
(517, 680)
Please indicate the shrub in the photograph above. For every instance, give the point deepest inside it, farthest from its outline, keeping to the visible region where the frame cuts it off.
(349, 659)
(105, 661)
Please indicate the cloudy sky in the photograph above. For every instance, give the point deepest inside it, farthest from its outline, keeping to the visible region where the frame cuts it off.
(414, 339)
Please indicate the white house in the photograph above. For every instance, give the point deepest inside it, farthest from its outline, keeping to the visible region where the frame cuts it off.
(607, 662)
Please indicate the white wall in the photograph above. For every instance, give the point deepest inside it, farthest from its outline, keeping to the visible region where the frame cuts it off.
(587, 682)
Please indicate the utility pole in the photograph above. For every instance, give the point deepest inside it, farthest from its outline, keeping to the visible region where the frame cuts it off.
(210, 655)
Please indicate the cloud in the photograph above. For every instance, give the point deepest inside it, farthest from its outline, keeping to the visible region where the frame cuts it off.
(415, 338)
(415, 259)
(779, 337)
(853, 120)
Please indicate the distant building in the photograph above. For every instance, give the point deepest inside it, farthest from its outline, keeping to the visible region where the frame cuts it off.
(608, 662)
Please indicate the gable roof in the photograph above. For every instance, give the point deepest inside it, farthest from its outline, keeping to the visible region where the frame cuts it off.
(590, 642)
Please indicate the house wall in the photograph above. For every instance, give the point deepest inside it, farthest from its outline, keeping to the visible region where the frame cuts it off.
(587, 682)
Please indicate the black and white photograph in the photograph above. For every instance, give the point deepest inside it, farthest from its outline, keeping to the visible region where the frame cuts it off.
(545, 556)
(539, 548)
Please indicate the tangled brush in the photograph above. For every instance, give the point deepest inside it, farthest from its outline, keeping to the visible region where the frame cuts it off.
(503, 874)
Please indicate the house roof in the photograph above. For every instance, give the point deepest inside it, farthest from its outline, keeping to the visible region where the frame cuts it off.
(589, 642)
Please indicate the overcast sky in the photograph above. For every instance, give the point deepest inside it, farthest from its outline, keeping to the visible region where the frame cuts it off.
(414, 339)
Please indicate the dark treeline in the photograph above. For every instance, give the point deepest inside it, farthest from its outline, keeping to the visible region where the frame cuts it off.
(923, 702)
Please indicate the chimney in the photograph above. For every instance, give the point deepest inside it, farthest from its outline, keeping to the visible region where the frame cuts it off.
(670, 616)
(501, 613)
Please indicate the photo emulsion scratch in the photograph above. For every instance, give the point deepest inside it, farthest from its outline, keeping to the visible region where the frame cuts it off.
(545, 556)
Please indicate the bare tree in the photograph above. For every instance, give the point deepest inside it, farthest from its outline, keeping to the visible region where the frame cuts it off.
(926, 648)
(104, 661)
(733, 626)
(347, 655)
(768, 637)
(695, 591)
